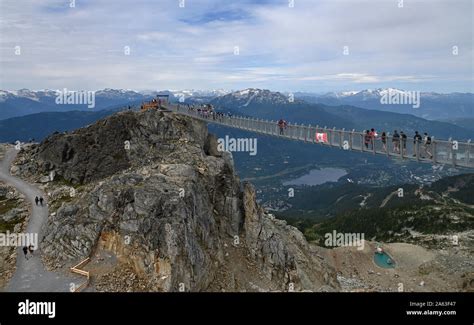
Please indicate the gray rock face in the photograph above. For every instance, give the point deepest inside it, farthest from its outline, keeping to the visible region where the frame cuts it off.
(167, 207)
(101, 149)
(281, 250)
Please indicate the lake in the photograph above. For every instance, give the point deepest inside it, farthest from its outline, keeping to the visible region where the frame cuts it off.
(384, 260)
(318, 176)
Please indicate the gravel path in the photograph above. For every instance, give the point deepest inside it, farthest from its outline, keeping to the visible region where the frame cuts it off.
(30, 275)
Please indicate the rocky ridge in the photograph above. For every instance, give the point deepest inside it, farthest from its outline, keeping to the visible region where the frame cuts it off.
(151, 188)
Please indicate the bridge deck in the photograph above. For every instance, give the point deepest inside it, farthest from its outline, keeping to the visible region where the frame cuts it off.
(450, 152)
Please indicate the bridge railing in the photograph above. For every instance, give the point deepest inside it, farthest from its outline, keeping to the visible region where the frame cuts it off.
(449, 151)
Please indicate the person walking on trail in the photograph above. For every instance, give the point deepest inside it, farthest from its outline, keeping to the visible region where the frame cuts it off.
(282, 125)
(404, 141)
(367, 139)
(396, 142)
(25, 251)
(41, 200)
(427, 145)
(36, 200)
(417, 139)
(383, 137)
(31, 249)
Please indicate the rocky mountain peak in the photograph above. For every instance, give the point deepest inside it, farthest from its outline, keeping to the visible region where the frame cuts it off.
(169, 208)
(118, 142)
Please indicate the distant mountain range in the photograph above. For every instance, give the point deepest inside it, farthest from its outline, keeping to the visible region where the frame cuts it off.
(24, 101)
(254, 102)
(432, 105)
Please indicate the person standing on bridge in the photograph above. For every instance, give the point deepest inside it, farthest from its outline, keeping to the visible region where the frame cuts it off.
(282, 125)
(396, 142)
(41, 200)
(404, 141)
(417, 139)
(367, 139)
(427, 145)
(384, 141)
(36, 200)
(373, 135)
(25, 251)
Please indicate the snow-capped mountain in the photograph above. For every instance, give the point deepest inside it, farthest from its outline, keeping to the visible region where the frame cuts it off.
(6, 95)
(118, 93)
(250, 96)
(187, 93)
(333, 94)
(24, 101)
(364, 94)
(48, 94)
(200, 93)
(35, 95)
(432, 105)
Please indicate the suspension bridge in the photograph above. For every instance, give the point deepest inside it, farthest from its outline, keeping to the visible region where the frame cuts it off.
(445, 152)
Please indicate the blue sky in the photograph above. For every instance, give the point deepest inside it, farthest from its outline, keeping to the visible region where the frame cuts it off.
(279, 48)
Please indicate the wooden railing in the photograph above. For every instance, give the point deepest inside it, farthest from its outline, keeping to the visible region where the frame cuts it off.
(76, 269)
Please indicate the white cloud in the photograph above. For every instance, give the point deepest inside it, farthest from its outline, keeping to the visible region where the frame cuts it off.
(280, 48)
